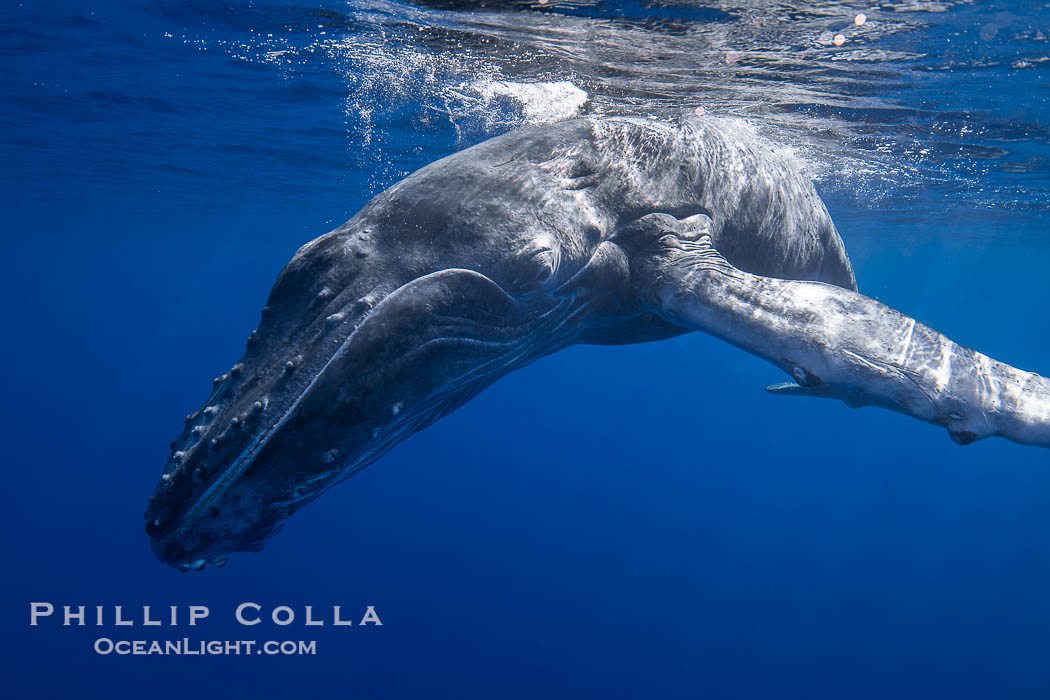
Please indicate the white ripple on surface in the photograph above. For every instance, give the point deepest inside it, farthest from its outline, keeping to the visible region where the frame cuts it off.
(540, 103)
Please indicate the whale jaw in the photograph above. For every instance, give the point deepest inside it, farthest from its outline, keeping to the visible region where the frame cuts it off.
(421, 352)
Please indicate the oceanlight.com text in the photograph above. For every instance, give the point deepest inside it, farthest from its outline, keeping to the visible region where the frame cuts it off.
(187, 647)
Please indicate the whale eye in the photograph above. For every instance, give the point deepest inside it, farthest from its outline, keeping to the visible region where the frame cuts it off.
(535, 270)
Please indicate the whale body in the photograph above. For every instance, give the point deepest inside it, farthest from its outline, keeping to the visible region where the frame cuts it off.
(606, 231)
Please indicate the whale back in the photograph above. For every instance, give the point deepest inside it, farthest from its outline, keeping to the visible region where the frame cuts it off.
(767, 218)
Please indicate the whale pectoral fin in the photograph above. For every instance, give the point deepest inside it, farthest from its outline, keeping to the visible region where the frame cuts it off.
(837, 343)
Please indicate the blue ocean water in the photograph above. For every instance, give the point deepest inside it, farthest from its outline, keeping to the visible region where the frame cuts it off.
(640, 521)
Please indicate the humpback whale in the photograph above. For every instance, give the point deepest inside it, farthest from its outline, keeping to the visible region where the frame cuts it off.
(606, 231)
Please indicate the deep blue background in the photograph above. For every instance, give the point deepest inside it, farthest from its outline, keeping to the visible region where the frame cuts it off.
(611, 522)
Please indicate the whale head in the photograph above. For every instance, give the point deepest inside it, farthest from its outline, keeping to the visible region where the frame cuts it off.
(370, 333)
(327, 385)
